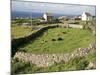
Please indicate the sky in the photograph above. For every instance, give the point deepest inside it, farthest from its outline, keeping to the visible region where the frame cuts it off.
(51, 8)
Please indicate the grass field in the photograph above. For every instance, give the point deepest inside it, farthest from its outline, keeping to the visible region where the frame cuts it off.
(60, 40)
(20, 31)
(56, 40)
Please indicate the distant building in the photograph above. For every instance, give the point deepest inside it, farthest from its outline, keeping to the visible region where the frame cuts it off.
(16, 17)
(63, 18)
(80, 17)
(77, 18)
(86, 16)
(48, 16)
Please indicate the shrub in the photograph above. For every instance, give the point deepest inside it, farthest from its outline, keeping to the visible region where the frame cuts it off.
(59, 39)
(79, 62)
(82, 65)
(53, 39)
(74, 22)
(16, 67)
(77, 18)
(64, 32)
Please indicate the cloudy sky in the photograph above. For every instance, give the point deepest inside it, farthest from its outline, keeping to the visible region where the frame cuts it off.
(52, 8)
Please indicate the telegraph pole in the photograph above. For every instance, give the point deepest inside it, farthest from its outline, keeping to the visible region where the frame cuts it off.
(31, 19)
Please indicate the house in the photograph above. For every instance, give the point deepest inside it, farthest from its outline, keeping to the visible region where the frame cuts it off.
(86, 16)
(48, 16)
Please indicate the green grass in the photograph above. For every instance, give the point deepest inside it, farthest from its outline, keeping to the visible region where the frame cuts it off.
(92, 56)
(20, 31)
(71, 39)
(49, 43)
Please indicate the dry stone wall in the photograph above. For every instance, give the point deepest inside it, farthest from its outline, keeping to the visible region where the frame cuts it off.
(45, 60)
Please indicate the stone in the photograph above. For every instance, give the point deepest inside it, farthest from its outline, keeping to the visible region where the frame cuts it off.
(92, 65)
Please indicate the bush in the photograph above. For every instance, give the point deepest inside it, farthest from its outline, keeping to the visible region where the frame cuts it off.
(59, 39)
(24, 68)
(77, 18)
(16, 67)
(53, 39)
(82, 65)
(74, 23)
(79, 62)
(64, 32)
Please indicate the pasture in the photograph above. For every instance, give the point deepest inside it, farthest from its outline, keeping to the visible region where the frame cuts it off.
(60, 40)
(20, 31)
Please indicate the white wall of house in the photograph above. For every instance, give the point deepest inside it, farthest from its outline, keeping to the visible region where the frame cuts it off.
(86, 17)
(45, 16)
(89, 18)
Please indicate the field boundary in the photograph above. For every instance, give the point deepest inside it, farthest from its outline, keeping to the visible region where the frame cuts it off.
(45, 60)
(16, 43)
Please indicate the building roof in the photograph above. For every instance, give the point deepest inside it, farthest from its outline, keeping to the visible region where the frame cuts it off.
(87, 13)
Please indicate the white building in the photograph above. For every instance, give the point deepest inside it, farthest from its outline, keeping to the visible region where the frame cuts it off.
(47, 16)
(86, 16)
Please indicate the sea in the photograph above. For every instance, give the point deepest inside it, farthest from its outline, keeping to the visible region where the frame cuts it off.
(20, 14)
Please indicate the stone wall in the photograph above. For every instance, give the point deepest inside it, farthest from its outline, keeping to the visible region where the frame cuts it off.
(76, 26)
(66, 25)
(45, 60)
